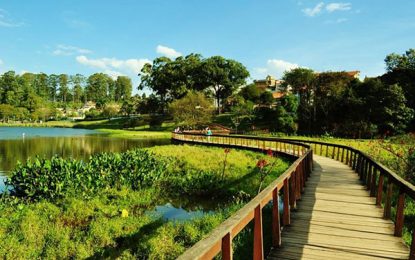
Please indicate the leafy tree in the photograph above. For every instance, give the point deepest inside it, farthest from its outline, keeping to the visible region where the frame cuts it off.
(192, 110)
(8, 88)
(329, 88)
(222, 76)
(6, 112)
(98, 87)
(384, 106)
(53, 81)
(123, 88)
(42, 85)
(130, 106)
(251, 92)
(63, 87)
(171, 79)
(401, 71)
(301, 82)
(78, 82)
(406, 61)
(242, 112)
(111, 110)
(287, 114)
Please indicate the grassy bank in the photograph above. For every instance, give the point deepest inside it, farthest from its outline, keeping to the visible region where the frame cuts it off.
(111, 221)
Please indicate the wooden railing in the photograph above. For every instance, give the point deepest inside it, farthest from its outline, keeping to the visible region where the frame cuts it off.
(380, 181)
(291, 183)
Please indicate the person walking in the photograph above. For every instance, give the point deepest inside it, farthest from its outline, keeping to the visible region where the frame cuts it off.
(208, 133)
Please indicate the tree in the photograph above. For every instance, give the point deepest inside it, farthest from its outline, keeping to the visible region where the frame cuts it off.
(242, 112)
(53, 81)
(401, 71)
(222, 76)
(98, 87)
(63, 87)
(9, 88)
(192, 110)
(384, 106)
(123, 88)
(406, 61)
(329, 88)
(111, 110)
(301, 81)
(251, 92)
(6, 111)
(171, 79)
(41, 85)
(78, 82)
(287, 114)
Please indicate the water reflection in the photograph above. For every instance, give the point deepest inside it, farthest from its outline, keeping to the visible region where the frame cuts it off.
(78, 147)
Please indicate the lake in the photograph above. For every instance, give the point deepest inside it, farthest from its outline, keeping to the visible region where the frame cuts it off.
(20, 143)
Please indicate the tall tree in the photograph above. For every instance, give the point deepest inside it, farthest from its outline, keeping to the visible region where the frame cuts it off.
(301, 81)
(98, 87)
(53, 82)
(78, 82)
(123, 88)
(222, 76)
(63, 87)
(9, 86)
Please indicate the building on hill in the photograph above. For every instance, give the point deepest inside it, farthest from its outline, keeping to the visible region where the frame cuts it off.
(269, 83)
(272, 85)
(355, 74)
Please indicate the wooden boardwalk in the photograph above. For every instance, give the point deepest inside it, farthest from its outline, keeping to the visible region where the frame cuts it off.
(337, 219)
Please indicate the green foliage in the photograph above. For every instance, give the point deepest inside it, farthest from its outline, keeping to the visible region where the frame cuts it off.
(54, 178)
(192, 110)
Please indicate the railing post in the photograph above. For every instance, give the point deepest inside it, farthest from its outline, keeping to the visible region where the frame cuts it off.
(347, 157)
(286, 212)
(388, 202)
(368, 175)
(338, 154)
(399, 213)
(380, 189)
(373, 182)
(258, 245)
(343, 155)
(276, 224)
(293, 190)
(354, 162)
(227, 247)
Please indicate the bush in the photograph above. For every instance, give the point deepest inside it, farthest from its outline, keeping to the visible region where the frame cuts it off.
(52, 179)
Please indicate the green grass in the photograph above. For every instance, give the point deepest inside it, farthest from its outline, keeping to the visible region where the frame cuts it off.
(136, 134)
(113, 224)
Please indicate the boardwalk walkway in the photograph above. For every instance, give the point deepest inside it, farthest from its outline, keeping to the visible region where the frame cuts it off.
(337, 219)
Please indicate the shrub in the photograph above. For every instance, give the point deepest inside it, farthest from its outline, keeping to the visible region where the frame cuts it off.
(52, 179)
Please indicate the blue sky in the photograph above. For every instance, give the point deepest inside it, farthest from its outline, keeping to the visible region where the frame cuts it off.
(268, 37)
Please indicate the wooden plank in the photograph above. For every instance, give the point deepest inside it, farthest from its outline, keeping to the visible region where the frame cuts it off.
(337, 219)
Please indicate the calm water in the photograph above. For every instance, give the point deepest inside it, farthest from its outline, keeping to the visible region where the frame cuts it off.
(20, 143)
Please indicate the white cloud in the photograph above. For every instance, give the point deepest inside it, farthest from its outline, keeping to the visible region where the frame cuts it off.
(67, 50)
(7, 21)
(113, 65)
(275, 68)
(168, 52)
(1, 62)
(314, 11)
(332, 7)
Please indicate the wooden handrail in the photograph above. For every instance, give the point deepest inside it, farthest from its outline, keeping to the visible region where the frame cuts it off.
(371, 173)
(220, 239)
